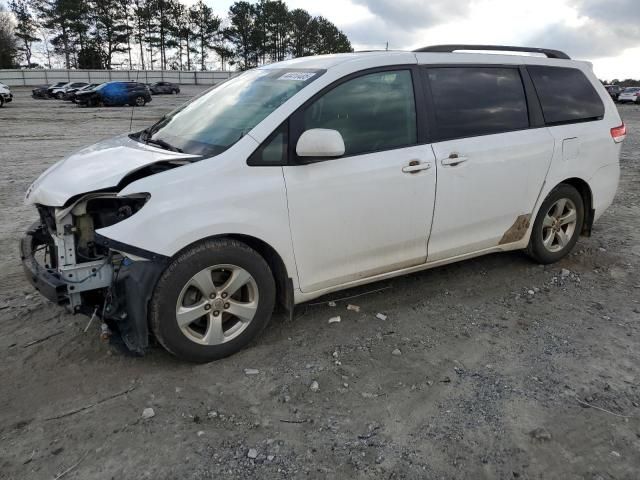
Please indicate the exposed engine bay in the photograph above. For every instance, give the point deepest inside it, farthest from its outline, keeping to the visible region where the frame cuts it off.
(69, 266)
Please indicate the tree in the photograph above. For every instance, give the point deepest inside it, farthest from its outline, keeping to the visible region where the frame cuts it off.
(140, 13)
(276, 23)
(206, 29)
(240, 34)
(26, 28)
(328, 39)
(69, 23)
(8, 47)
(110, 29)
(302, 31)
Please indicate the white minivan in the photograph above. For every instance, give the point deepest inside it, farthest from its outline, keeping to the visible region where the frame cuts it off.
(308, 176)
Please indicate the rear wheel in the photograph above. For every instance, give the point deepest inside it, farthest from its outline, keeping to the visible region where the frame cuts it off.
(174, 91)
(1, 101)
(140, 101)
(557, 225)
(212, 300)
(59, 95)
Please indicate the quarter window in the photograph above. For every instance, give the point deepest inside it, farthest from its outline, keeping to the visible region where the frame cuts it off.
(372, 112)
(273, 151)
(472, 101)
(566, 96)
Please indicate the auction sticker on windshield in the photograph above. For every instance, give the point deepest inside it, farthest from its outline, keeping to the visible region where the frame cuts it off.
(297, 76)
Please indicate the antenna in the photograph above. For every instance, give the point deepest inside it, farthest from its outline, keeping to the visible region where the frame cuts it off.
(387, 47)
(134, 105)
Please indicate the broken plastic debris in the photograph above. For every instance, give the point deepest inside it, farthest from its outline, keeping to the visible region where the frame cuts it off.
(105, 332)
(354, 308)
(148, 413)
(335, 319)
(314, 387)
(381, 316)
(332, 303)
(251, 371)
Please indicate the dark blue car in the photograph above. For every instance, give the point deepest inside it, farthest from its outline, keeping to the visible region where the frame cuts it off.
(115, 94)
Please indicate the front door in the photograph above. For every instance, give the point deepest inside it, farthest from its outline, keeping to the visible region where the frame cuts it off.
(369, 211)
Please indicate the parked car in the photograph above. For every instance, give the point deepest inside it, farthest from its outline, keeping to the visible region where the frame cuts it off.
(164, 87)
(40, 91)
(60, 92)
(305, 177)
(70, 94)
(114, 94)
(5, 94)
(614, 91)
(55, 86)
(630, 94)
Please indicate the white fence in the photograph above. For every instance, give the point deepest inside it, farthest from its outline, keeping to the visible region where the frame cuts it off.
(47, 77)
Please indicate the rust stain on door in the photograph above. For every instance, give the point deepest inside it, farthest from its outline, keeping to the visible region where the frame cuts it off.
(517, 230)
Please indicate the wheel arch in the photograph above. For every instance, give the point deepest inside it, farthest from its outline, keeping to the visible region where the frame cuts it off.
(587, 197)
(284, 283)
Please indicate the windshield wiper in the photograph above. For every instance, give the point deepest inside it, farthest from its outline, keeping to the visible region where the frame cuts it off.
(161, 143)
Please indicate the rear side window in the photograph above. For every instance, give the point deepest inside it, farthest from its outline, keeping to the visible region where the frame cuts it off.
(566, 95)
(373, 112)
(472, 101)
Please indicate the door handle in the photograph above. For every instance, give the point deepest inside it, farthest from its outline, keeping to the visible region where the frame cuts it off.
(416, 166)
(453, 160)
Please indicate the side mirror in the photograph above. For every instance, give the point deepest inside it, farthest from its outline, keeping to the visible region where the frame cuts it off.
(320, 142)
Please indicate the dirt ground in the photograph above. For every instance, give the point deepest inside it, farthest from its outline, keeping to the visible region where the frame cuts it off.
(498, 361)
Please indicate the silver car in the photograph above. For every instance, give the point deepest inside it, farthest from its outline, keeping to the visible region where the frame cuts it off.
(630, 94)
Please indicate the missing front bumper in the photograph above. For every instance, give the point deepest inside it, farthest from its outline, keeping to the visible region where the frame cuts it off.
(119, 292)
(46, 280)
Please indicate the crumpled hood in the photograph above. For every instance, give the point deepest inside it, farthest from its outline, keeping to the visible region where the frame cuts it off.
(96, 167)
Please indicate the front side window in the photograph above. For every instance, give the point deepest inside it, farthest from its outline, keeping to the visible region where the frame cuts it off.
(214, 121)
(566, 96)
(472, 101)
(373, 112)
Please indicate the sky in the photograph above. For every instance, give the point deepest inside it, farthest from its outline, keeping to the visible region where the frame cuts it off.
(605, 32)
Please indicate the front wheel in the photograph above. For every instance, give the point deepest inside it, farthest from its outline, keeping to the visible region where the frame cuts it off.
(557, 225)
(1, 101)
(212, 300)
(140, 101)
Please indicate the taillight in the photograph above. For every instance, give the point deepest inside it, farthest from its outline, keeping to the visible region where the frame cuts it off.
(619, 133)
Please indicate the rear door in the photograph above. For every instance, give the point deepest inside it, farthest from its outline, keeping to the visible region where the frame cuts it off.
(492, 155)
(369, 211)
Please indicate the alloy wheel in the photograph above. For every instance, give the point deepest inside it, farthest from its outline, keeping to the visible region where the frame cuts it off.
(559, 225)
(217, 304)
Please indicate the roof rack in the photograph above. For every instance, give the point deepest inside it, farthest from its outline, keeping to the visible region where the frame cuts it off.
(500, 48)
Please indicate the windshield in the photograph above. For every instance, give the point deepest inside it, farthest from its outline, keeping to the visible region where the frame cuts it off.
(631, 89)
(213, 122)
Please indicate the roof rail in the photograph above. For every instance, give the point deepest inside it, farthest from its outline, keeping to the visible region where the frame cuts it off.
(500, 48)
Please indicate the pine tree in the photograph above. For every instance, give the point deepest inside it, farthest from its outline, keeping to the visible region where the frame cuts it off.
(26, 28)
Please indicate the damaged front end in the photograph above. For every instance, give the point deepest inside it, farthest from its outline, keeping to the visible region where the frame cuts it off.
(70, 264)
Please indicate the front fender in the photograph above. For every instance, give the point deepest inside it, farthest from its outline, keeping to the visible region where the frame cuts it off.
(215, 197)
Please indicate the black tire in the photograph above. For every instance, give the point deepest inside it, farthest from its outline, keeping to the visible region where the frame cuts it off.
(140, 101)
(1, 101)
(174, 91)
(59, 95)
(194, 259)
(536, 248)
